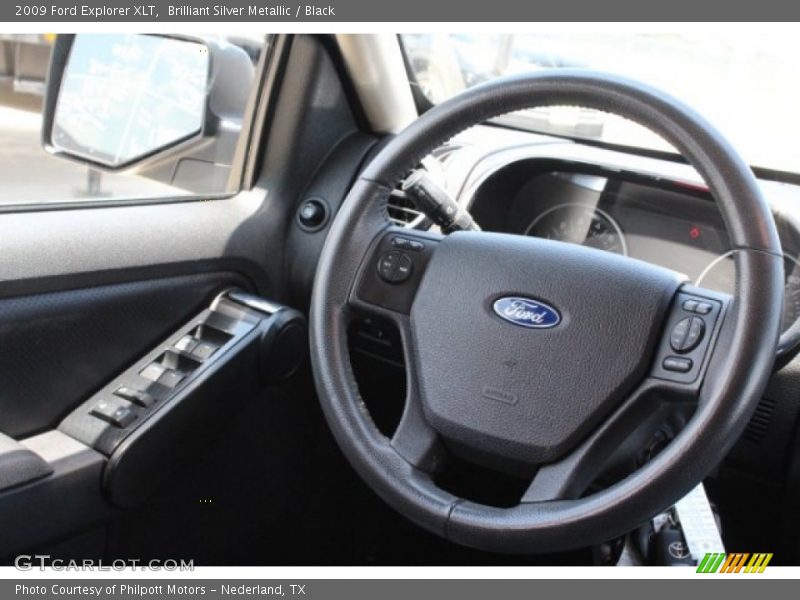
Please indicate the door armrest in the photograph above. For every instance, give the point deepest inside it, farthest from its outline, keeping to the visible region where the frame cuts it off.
(19, 464)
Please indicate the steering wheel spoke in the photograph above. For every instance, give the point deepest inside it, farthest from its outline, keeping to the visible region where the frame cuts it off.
(653, 414)
(385, 288)
(390, 275)
(415, 439)
(629, 437)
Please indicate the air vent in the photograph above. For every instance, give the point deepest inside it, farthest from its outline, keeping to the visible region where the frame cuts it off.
(401, 209)
(759, 423)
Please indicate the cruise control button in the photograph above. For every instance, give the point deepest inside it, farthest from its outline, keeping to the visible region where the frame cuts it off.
(690, 305)
(677, 364)
(703, 308)
(697, 327)
(697, 306)
(678, 335)
(687, 334)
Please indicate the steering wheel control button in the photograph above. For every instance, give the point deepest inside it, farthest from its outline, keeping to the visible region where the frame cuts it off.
(387, 264)
(139, 397)
(677, 364)
(116, 412)
(395, 267)
(697, 306)
(678, 335)
(703, 308)
(404, 268)
(407, 244)
(697, 328)
(687, 334)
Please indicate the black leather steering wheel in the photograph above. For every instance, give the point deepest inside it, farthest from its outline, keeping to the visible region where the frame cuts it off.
(559, 383)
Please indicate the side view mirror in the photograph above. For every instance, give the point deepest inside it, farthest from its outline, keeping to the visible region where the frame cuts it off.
(169, 108)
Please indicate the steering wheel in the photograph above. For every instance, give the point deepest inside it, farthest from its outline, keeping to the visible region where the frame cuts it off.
(544, 358)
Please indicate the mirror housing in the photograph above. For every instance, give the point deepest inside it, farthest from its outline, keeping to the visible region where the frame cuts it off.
(194, 124)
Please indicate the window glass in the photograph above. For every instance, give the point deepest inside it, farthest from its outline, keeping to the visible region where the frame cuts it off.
(746, 84)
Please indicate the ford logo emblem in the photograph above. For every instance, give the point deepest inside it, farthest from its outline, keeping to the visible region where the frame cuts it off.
(526, 312)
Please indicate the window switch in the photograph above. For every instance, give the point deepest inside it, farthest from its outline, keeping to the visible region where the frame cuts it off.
(139, 397)
(170, 378)
(203, 350)
(152, 371)
(186, 344)
(117, 412)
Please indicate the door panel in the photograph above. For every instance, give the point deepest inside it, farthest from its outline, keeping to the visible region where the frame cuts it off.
(86, 291)
(59, 347)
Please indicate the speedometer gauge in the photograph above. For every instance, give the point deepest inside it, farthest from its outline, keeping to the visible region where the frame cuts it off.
(720, 276)
(579, 224)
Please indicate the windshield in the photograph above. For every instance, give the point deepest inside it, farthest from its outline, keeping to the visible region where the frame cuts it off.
(747, 85)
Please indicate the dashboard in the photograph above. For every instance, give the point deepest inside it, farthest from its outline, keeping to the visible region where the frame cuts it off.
(645, 208)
